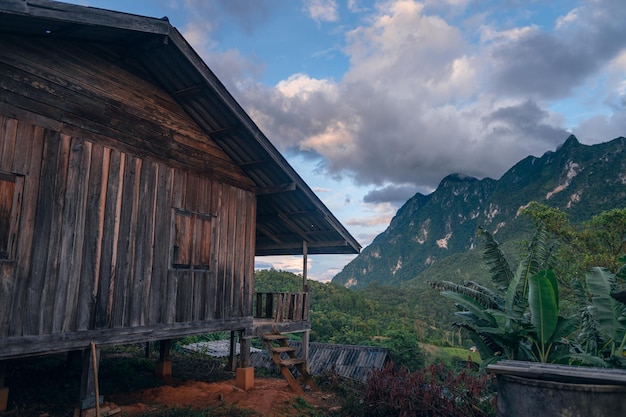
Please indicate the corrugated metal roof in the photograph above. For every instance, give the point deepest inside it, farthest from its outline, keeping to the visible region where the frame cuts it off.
(215, 348)
(288, 211)
(350, 361)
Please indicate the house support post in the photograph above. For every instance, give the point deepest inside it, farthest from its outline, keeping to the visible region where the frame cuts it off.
(305, 350)
(305, 254)
(305, 289)
(232, 362)
(245, 373)
(4, 391)
(89, 403)
(164, 364)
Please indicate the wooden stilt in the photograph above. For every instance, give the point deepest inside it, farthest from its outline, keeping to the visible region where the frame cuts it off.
(164, 364)
(4, 391)
(88, 387)
(232, 363)
(96, 389)
(244, 350)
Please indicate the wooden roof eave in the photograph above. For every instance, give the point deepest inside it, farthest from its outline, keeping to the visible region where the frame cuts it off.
(350, 245)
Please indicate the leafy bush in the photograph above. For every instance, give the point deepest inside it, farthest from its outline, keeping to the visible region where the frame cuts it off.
(435, 391)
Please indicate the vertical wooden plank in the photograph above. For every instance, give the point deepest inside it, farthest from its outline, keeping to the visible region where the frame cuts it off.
(171, 300)
(251, 245)
(150, 242)
(72, 235)
(110, 233)
(179, 189)
(199, 243)
(239, 254)
(8, 130)
(221, 252)
(27, 161)
(191, 193)
(139, 295)
(162, 244)
(6, 293)
(125, 245)
(209, 277)
(52, 284)
(94, 222)
(133, 244)
(184, 296)
(230, 255)
(8, 133)
(269, 305)
(38, 302)
(172, 297)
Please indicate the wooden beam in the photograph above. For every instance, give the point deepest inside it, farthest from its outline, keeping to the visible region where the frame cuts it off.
(294, 227)
(189, 91)
(337, 243)
(276, 189)
(23, 346)
(300, 213)
(267, 233)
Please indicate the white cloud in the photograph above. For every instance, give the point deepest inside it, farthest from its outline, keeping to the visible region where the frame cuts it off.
(569, 18)
(424, 97)
(302, 86)
(322, 10)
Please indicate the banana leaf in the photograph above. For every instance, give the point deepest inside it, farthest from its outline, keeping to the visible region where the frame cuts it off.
(608, 311)
(544, 307)
(471, 305)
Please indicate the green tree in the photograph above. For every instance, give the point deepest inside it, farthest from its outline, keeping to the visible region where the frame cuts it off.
(520, 318)
(598, 242)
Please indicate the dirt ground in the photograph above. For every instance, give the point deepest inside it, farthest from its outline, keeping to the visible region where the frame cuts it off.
(269, 397)
(48, 387)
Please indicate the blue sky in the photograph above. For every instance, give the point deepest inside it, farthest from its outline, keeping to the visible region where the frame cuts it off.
(374, 101)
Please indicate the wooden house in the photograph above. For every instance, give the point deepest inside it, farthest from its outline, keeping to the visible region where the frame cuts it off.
(135, 192)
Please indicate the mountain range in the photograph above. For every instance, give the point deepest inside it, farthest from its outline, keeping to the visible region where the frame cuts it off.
(428, 230)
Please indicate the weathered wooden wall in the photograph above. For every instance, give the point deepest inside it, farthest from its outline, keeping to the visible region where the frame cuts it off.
(107, 162)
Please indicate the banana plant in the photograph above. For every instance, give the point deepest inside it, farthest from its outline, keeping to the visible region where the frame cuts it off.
(603, 333)
(497, 320)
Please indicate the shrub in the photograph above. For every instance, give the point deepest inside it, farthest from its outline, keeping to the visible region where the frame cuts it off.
(435, 391)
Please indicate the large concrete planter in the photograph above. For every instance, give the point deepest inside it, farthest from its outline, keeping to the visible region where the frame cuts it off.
(527, 389)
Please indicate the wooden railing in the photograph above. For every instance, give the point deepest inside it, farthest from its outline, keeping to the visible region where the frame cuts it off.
(282, 306)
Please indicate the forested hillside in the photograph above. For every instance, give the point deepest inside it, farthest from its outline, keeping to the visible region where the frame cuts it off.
(432, 234)
(376, 316)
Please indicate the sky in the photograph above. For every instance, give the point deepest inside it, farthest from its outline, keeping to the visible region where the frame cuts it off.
(374, 101)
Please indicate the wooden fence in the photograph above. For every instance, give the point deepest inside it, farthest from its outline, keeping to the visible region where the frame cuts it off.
(282, 306)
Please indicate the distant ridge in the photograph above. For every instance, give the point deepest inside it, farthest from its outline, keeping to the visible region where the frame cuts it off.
(582, 179)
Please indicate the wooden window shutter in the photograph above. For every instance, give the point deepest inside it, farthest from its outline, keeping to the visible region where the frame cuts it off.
(10, 207)
(192, 240)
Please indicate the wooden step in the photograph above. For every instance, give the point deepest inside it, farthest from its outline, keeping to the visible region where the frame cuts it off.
(274, 337)
(292, 361)
(283, 349)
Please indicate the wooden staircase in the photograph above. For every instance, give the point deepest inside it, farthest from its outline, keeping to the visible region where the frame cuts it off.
(285, 357)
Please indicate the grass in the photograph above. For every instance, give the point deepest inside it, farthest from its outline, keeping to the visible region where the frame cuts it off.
(452, 357)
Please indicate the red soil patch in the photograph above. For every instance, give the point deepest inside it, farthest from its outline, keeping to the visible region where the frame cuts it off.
(269, 397)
